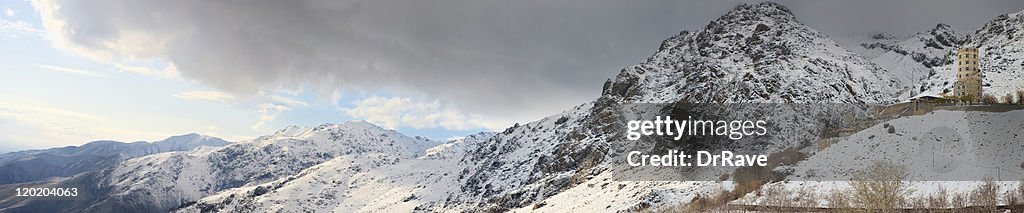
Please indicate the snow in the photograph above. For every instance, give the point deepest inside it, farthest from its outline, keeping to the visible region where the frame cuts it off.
(165, 180)
(939, 146)
(757, 53)
(989, 147)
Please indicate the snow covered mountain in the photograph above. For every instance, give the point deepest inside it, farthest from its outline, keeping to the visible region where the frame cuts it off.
(754, 53)
(355, 183)
(156, 183)
(1001, 59)
(913, 58)
(930, 48)
(1002, 54)
(35, 165)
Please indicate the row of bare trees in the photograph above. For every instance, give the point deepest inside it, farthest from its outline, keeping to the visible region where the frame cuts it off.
(1010, 98)
(881, 188)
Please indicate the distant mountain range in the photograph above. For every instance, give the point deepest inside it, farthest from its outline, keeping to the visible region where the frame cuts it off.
(34, 165)
(756, 53)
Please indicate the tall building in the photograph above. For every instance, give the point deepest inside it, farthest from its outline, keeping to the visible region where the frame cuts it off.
(968, 75)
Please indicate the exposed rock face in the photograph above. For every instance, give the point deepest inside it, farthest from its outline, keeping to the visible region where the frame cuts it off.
(754, 53)
(1001, 61)
(1002, 54)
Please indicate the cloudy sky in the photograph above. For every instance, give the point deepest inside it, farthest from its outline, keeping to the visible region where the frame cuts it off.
(128, 70)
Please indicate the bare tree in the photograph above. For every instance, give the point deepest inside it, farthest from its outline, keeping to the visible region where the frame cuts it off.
(1016, 197)
(939, 199)
(918, 202)
(881, 187)
(959, 201)
(1013, 198)
(986, 195)
(806, 197)
(776, 195)
(1020, 189)
(837, 199)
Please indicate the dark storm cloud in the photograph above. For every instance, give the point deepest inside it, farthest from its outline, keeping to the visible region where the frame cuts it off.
(523, 58)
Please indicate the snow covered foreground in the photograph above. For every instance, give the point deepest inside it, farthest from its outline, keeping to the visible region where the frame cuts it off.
(954, 150)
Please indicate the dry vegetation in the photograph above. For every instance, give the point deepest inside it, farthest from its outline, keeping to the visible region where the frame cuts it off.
(1010, 98)
(881, 187)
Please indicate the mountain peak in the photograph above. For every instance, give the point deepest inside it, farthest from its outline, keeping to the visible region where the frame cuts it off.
(745, 12)
(753, 22)
(191, 139)
(755, 53)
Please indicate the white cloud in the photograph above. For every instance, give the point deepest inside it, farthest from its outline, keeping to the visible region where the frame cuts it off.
(9, 12)
(286, 101)
(70, 70)
(168, 72)
(211, 96)
(18, 28)
(273, 105)
(268, 106)
(268, 112)
(397, 112)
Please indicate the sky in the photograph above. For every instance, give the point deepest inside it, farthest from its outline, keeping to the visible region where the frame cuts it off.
(143, 70)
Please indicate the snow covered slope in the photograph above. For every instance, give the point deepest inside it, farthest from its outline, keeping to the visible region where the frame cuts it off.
(942, 145)
(914, 58)
(949, 149)
(157, 183)
(164, 181)
(1002, 54)
(356, 183)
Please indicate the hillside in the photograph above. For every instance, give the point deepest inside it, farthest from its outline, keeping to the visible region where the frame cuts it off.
(36, 165)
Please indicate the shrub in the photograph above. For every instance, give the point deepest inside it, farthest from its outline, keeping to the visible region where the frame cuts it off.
(920, 202)
(959, 201)
(1013, 198)
(989, 99)
(806, 197)
(1020, 188)
(717, 201)
(837, 199)
(1020, 97)
(881, 186)
(967, 98)
(775, 195)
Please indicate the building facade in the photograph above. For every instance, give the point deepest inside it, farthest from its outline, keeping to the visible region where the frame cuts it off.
(968, 75)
